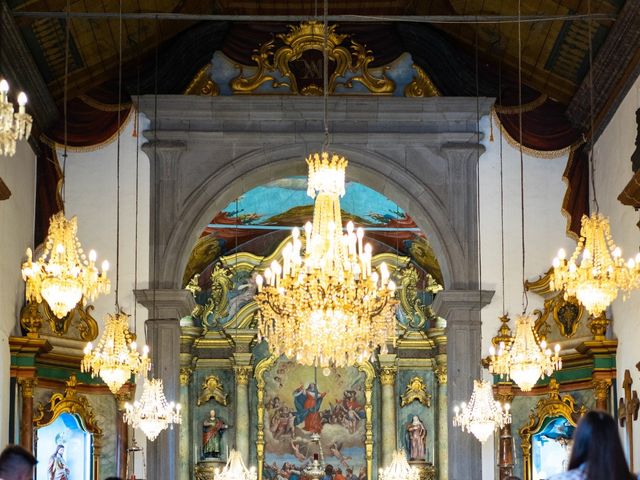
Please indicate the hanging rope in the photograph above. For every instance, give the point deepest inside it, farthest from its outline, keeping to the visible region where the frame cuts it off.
(325, 75)
(478, 212)
(117, 287)
(67, 27)
(592, 160)
(525, 297)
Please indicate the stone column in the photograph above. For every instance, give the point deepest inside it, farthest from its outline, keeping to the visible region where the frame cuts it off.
(461, 310)
(122, 435)
(27, 386)
(441, 460)
(184, 440)
(243, 370)
(166, 308)
(388, 371)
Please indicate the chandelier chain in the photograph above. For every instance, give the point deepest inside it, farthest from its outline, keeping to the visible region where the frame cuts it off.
(478, 211)
(501, 177)
(118, 126)
(67, 35)
(592, 140)
(325, 75)
(525, 297)
(137, 190)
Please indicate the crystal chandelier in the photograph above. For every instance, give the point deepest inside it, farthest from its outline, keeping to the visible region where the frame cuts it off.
(62, 275)
(116, 356)
(235, 469)
(13, 126)
(482, 415)
(602, 271)
(152, 413)
(399, 469)
(525, 359)
(326, 306)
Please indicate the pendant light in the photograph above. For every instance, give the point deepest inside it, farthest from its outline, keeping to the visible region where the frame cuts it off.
(481, 415)
(596, 271)
(399, 468)
(152, 413)
(63, 275)
(525, 358)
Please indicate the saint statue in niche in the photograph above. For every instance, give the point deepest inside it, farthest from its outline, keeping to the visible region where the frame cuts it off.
(58, 469)
(212, 430)
(416, 439)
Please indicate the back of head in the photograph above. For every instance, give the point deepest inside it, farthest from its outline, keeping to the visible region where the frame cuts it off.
(16, 463)
(596, 443)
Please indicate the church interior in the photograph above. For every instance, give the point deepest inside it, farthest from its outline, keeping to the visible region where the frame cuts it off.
(328, 239)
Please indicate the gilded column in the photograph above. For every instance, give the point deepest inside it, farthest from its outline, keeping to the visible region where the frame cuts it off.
(183, 439)
(441, 458)
(27, 386)
(388, 371)
(601, 392)
(243, 371)
(122, 434)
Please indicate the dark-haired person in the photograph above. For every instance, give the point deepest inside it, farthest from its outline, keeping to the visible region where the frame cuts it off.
(16, 463)
(597, 451)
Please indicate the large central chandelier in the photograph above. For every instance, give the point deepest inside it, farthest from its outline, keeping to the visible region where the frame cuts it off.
(483, 414)
(326, 306)
(601, 271)
(63, 275)
(399, 469)
(235, 469)
(525, 359)
(14, 126)
(152, 413)
(116, 356)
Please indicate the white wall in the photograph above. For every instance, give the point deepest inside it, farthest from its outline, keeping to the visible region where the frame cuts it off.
(544, 234)
(612, 172)
(16, 231)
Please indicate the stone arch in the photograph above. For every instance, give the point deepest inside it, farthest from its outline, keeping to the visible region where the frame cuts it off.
(264, 165)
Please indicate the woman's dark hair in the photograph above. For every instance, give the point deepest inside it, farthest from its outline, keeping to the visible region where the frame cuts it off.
(596, 443)
(58, 447)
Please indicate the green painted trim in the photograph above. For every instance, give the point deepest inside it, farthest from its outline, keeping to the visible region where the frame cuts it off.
(23, 361)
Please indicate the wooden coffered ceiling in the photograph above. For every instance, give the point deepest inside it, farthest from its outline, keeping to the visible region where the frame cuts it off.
(554, 53)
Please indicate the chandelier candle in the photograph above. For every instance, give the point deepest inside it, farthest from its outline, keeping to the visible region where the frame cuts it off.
(326, 306)
(13, 126)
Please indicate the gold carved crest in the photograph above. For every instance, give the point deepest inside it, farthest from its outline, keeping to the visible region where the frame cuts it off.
(297, 63)
(416, 390)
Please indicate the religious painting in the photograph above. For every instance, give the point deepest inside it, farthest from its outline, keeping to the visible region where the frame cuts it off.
(64, 450)
(551, 448)
(302, 404)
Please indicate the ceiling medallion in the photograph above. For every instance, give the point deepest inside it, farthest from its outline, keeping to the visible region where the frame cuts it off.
(601, 271)
(326, 306)
(483, 414)
(63, 275)
(13, 126)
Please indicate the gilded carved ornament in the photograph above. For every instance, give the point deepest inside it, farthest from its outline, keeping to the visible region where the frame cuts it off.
(202, 84)
(421, 85)
(217, 305)
(243, 374)
(415, 311)
(300, 39)
(185, 376)
(212, 387)
(441, 374)
(27, 385)
(34, 316)
(553, 406)
(601, 389)
(388, 375)
(416, 389)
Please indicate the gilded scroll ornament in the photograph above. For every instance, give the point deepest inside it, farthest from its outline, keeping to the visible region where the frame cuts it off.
(279, 62)
(416, 390)
(217, 305)
(552, 406)
(421, 86)
(388, 375)
(34, 316)
(412, 306)
(202, 84)
(212, 387)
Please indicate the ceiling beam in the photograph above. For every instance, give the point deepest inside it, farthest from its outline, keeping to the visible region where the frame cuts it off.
(614, 69)
(435, 19)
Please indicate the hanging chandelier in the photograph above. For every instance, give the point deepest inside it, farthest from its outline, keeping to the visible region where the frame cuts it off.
(13, 126)
(482, 415)
(116, 356)
(62, 275)
(235, 469)
(399, 469)
(326, 306)
(152, 413)
(595, 281)
(525, 359)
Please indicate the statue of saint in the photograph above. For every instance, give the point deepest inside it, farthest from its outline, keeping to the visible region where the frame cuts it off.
(212, 430)
(416, 439)
(58, 469)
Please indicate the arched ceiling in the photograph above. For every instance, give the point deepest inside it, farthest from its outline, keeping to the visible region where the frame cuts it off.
(555, 53)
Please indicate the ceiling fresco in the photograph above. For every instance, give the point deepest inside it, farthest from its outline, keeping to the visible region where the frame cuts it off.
(258, 221)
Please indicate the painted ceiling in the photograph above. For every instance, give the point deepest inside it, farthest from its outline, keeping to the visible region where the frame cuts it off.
(555, 53)
(258, 221)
